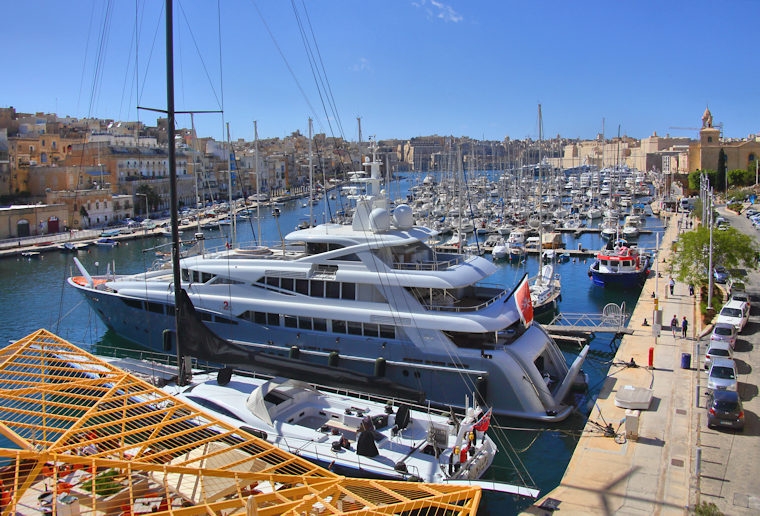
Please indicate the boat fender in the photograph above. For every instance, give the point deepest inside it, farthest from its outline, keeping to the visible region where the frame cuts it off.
(224, 376)
(261, 434)
(294, 352)
(380, 366)
(332, 359)
(455, 456)
(463, 453)
(168, 340)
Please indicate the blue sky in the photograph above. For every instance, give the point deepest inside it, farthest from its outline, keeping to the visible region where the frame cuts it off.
(406, 67)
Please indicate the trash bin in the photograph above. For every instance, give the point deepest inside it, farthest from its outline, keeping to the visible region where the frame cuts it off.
(685, 360)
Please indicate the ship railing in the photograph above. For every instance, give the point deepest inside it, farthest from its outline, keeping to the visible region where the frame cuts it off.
(462, 305)
(437, 265)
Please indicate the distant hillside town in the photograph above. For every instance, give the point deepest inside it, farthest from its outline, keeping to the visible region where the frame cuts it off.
(81, 173)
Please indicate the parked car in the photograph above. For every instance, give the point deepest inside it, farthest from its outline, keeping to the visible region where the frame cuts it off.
(717, 348)
(734, 312)
(724, 332)
(724, 409)
(720, 274)
(741, 296)
(722, 375)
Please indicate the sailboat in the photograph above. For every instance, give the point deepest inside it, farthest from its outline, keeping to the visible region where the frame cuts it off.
(545, 287)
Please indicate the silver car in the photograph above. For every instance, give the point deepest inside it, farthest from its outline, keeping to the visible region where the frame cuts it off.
(717, 349)
(722, 375)
(724, 332)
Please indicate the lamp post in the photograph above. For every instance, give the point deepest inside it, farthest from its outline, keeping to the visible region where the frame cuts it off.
(710, 259)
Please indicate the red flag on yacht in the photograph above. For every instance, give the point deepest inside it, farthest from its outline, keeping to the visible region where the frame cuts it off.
(523, 301)
(483, 422)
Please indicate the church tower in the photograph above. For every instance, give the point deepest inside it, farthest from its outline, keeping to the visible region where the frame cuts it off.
(704, 155)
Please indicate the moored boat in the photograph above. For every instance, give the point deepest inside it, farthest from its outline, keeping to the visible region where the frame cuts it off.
(349, 434)
(619, 265)
(372, 297)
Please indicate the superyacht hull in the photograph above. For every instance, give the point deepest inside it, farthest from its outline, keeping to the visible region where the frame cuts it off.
(497, 377)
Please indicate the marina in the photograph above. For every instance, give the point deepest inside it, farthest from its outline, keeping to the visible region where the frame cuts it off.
(78, 324)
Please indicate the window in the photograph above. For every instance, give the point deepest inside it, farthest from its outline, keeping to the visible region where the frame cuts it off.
(349, 291)
(304, 323)
(339, 326)
(354, 328)
(317, 288)
(332, 290)
(273, 319)
(387, 331)
(320, 324)
(290, 321)
(302, 287)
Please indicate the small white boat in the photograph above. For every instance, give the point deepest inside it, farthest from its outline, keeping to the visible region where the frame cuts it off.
(106, 242)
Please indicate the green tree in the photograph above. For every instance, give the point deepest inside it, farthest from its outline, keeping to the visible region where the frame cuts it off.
(694, 178)
(720, 179)
(731, 249)
(740, 177)
(153, 199)
(83, 213)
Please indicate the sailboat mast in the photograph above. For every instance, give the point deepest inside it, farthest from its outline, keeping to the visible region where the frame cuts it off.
(311, 178)
(258, 180)
(173, 180)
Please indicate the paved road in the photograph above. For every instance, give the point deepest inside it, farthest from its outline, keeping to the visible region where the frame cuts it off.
(730, 466)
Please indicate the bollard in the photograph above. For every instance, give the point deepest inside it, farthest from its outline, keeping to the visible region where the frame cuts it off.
(651, 358)
(698, 462)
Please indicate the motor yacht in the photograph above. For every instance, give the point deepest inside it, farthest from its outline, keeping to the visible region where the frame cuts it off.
(371, 296)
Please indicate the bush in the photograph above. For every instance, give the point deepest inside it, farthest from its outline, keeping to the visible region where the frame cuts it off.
(707, 509)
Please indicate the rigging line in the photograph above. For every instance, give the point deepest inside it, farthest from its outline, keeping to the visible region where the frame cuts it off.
(127, 71)
(102, 44)
(200, 55)
(315, 73)
(86, 53)
(156, 33)
(287, 64)
(330, 96)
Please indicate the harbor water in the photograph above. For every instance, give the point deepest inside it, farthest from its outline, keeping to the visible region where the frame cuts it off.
(34, 295)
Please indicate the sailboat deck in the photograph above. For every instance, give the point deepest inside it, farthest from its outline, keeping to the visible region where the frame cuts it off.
(90, 439)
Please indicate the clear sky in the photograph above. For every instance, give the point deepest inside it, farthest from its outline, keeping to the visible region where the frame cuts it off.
(406, 67)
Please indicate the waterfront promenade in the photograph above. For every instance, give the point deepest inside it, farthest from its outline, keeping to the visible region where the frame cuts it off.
(656, 472)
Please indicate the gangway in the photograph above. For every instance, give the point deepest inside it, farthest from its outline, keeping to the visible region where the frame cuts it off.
(582, 327)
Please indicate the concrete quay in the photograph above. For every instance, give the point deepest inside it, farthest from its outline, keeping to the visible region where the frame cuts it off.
(675, 462)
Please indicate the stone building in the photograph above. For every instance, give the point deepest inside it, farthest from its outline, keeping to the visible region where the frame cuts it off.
(704, 154)
(32, 220)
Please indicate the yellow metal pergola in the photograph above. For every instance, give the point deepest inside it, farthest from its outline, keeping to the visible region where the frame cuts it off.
(83, 437)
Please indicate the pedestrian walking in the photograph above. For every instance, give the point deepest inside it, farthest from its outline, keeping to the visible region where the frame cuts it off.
(672, 284)
(674, 325)
(684, 327)
(691, 289)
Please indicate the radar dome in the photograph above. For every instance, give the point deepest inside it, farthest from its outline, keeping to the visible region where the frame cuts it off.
(403, 217)
(379, 220)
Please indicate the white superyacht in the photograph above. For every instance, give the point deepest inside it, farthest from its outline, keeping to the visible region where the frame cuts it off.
(371, 297)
